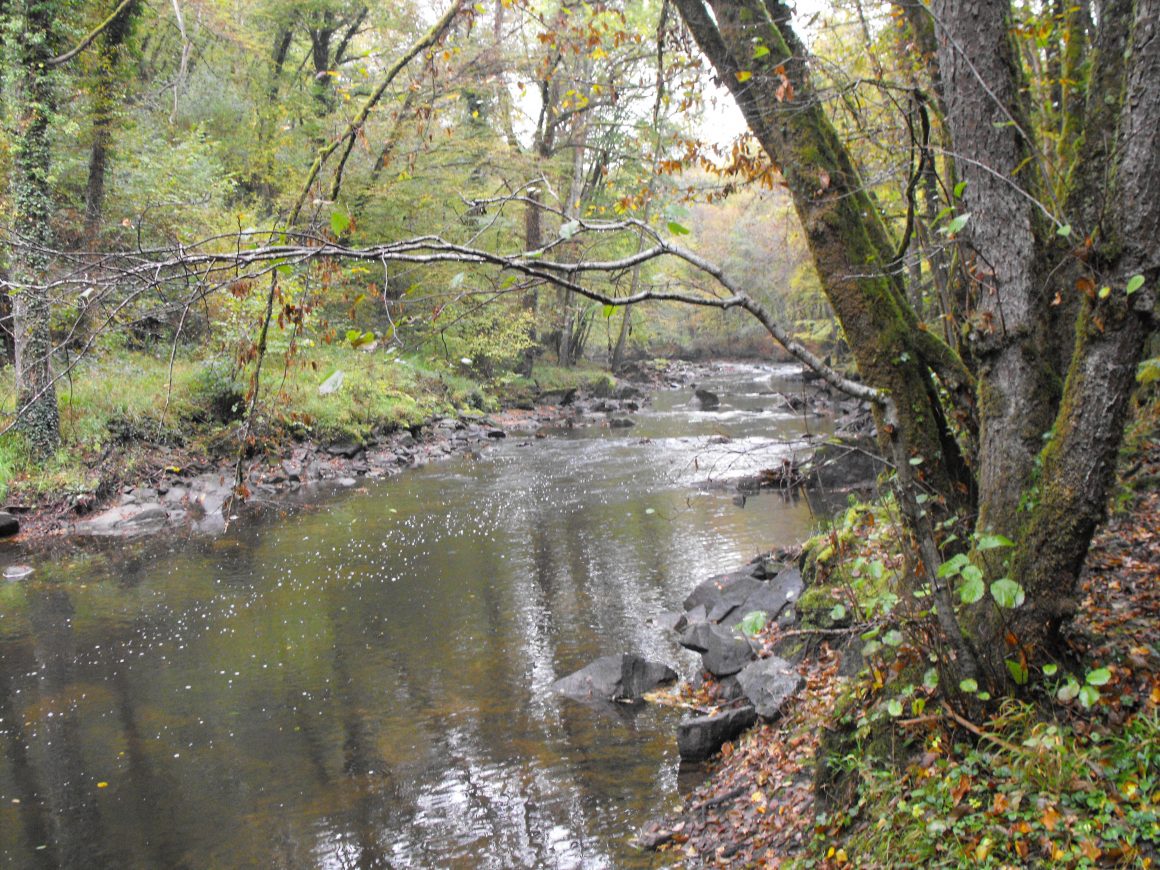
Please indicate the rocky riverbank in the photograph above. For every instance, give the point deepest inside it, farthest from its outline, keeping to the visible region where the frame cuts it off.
(180, 489)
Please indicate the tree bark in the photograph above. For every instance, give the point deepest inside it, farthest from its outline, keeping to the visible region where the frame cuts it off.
(104, 108)
(995, 156)
(1078, 463)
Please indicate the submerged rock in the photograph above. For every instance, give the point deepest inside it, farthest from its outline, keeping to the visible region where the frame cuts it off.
(706, 400)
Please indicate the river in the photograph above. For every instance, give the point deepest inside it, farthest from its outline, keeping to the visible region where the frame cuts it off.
(361, 680)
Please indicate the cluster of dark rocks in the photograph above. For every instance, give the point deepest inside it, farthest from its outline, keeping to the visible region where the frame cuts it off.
(748, 686)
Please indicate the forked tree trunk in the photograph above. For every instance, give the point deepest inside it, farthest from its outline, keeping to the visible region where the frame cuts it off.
(1079, 460)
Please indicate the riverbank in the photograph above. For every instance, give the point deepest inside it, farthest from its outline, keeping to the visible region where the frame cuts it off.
(142, 475)
(843, 778)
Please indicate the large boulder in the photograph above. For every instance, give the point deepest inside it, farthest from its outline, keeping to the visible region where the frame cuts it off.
(727, 598)
(768, 683)
(723, 652)
(614, 678)
(724, 590)
(773, 596)
(847, 464)
(698, 737)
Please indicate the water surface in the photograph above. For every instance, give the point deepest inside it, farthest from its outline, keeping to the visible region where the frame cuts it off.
(362, 682)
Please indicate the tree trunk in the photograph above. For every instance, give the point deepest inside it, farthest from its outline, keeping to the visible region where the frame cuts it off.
(1079, 461)
(104, 109)
(849, 243)
(995, 156)
(32, 212)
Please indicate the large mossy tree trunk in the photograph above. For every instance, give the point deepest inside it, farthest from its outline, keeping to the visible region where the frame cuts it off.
(996, 159)
(27, 54)
(104, 113)
(1078, 463)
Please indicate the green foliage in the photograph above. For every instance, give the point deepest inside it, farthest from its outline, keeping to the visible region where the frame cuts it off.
(493, 339)
(753, 623)
(216, 390)
(1033, 793)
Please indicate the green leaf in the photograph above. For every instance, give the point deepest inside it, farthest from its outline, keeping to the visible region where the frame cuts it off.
(957, 224)
(915, 460)
(959, 188)
(1105, 292)
(677, 230)
(609, 310)
(753, 622)
(871, 648)
(1063, 231)
(838, 612)
(1050, 670)
(892, 638)
(1088, 695)
(953, 565)
(894, 707)
(1148, 372)
(930, 678)
(339, 221)
(1018, 672)
(760, 52)
(457, 280)
(1068, 691)
(1099, 677)
(569, 229)
(984, 696)
(1007, 593)
(971, 591)
(1134, 284)
(972, 573)
(969, 686)
(993, 542)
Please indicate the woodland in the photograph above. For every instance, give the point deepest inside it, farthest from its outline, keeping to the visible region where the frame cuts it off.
(947, 209)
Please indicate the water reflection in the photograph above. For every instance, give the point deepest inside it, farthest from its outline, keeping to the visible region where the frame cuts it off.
(362, 684)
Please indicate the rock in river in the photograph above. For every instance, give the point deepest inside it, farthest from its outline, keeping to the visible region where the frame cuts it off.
(723, 652)
(613, 678)
(9, 525)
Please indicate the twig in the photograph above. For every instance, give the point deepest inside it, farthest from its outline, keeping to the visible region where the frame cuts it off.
(979, 732)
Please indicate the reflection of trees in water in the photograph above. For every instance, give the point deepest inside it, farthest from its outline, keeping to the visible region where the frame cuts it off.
(32, 809)
(76, 834)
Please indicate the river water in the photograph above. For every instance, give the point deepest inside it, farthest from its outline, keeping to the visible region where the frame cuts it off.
(362, 680)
